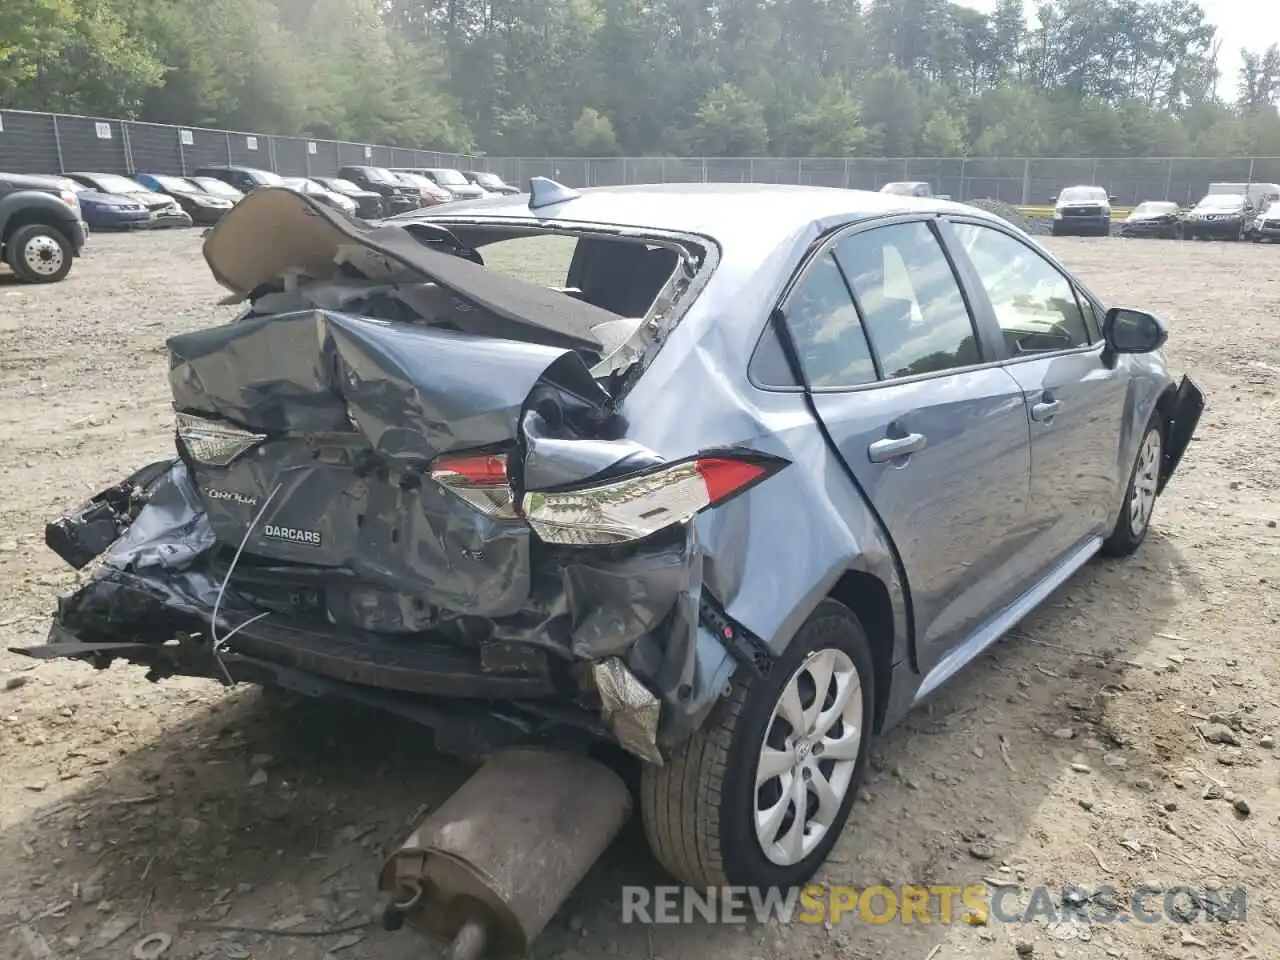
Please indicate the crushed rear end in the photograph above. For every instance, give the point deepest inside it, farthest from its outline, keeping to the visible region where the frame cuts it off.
(397, 480)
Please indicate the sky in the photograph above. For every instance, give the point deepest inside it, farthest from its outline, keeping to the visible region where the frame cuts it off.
(1240, 23)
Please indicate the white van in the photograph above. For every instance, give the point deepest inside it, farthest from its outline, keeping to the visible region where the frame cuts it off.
(1261, 195)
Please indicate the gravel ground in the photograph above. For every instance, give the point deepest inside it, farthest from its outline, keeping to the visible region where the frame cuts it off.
(1125, 739)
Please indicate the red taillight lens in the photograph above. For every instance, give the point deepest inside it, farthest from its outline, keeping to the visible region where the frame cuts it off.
(479, 479)
(641, 504)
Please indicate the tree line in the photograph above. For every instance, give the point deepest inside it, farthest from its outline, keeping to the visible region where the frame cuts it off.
(657, 77)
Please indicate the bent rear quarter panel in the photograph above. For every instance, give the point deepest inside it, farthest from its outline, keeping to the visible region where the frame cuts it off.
(772, 554)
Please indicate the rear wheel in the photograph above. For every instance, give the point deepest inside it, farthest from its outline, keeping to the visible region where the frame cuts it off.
(1140, 495)
(38, 253)
(760, 793)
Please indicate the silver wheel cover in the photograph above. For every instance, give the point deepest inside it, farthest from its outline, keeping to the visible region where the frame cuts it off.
(42, 255)
(1146, 477)
(807, 759)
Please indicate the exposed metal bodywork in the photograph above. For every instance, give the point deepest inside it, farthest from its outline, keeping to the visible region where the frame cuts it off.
(423, 597)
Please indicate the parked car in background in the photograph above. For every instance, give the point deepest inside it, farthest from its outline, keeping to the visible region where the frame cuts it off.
(397, 197)
(244, 179)
(908, 188)
(549, 528)
(458, 186)
(163, 211)
(1220, 216)
(218, 188)
(491, 182)
(369, 205)
(431, 194)
(1267, 225)
(41, 230)
(1082, 211)
(330, 198)
(107, 211)
(203, 207)
(1153, 218)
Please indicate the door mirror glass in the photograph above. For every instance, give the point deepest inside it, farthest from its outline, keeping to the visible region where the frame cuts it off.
(1133, 331)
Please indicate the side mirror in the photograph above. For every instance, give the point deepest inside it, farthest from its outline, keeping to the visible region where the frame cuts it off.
(1133, 331)
(1113, 199)
(1054, 198)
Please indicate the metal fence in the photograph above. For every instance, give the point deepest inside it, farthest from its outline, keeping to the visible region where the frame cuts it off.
(59, 143)
(1017, 180)
(49, 143)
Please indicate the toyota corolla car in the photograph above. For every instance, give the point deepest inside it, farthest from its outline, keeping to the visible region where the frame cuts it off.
(734, 493)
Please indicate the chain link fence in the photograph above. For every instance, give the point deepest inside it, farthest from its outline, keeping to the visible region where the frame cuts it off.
(58, 143)
(1016, 180)
(52, 143)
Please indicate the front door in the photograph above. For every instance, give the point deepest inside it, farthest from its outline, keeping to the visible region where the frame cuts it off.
(936, 439)
(1075, 402)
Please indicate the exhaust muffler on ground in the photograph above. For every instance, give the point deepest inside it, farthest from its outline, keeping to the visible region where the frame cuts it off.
(489, 869)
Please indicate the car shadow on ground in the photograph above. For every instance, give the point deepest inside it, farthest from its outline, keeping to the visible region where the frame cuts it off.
(259, 809)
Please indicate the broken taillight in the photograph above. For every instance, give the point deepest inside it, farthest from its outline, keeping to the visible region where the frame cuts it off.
(479, 479)
(638, 505)
(214, 442)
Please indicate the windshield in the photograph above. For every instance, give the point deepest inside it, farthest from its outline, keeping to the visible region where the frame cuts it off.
(266, 178)
(899, 189)
(452, 177)
(1221, 202)
(176, 184)
(114, 183)
(490, 180)
(342, 186)
(216, 186)
(380, 175)
(1083, 195)
(1153, 207)
(302, 185)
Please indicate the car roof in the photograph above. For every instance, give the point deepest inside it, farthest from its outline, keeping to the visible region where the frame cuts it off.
(714, 209)
(32, 179)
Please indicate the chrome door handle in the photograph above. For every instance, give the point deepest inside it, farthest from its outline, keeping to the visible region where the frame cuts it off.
(1043, 412)
(891, 448)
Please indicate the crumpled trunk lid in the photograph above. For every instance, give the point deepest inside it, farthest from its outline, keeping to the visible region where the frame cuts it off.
(341, 418)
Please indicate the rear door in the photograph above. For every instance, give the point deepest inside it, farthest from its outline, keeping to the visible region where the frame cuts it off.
(1075, 402)
(935, 436)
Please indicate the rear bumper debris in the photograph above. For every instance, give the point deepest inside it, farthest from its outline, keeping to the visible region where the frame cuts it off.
(651, 669)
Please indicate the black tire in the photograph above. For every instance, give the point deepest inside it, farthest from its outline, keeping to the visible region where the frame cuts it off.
(1124, 538)
(698, 809)
(15, 253)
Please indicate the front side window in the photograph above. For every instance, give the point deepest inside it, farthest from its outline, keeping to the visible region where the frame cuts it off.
(910, 302)
(1035, 304)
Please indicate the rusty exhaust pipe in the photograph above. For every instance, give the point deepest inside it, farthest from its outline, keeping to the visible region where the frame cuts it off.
(490, 868)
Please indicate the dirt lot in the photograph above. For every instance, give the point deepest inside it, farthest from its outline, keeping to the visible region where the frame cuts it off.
(128, 808)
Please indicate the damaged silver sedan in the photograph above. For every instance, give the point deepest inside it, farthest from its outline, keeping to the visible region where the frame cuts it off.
(734, 492)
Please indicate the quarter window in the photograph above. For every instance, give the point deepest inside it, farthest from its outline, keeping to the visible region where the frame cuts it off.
(915, 315)
(1035, 305)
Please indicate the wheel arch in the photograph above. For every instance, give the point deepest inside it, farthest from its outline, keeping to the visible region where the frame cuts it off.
(868, 597)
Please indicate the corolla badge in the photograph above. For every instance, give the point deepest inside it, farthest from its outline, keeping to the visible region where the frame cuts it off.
(214, 494)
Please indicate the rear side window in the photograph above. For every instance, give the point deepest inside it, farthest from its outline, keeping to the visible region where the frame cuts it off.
(915, 315)
(827, 332)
